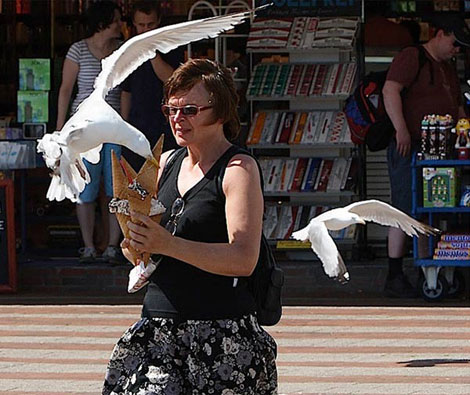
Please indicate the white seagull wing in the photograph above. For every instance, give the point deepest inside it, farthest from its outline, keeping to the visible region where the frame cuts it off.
(385, 214)
(137, 50)
(324, 246)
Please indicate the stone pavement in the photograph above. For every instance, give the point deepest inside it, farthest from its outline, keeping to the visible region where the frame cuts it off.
(62, 349)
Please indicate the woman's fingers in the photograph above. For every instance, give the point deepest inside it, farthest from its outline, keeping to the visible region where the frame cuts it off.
(145, 219)
(135, 236)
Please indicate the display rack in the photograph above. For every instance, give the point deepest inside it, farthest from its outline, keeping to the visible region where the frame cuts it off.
(440, 279)
(331, 59)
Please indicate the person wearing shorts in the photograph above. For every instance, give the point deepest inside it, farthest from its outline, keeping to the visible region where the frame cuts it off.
(432, 89)
(81, 66)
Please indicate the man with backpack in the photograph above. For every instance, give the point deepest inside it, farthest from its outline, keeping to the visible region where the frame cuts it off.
(431, 89)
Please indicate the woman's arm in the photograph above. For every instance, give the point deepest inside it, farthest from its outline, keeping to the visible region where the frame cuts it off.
(69, 77)
(244, 213)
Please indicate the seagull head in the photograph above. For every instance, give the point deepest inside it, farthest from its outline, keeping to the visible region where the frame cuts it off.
(152, 159)
(50, 149)
(356, 219)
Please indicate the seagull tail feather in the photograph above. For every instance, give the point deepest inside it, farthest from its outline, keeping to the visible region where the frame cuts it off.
(59, 191)
(75, 177)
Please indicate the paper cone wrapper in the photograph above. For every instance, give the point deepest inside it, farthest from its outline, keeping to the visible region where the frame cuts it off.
(147, 179)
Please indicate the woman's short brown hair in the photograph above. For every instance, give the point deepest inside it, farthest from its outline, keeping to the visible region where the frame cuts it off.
(218, 81)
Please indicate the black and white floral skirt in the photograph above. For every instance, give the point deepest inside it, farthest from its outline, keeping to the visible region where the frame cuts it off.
(159, 356)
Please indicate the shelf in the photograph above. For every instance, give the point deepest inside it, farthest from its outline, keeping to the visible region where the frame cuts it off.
(442, 163)
(308, 147)
(307, 99)
(305, 245)
(301, 55)
(309, 194)
(443, 209)
(310, 103)
(442, 262)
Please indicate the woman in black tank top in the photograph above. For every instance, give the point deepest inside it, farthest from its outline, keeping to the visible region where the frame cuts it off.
(199, 333)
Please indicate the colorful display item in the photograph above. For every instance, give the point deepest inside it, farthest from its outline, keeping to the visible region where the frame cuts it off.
(462, 142)
(439, 187)
(435, 137)
(33, 106)
(34, 74)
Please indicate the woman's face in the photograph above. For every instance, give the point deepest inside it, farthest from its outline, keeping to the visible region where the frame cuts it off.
(189, 129)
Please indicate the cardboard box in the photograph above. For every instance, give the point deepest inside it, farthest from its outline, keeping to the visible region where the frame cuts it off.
(440, 187)
(34, 74)
(33, 106)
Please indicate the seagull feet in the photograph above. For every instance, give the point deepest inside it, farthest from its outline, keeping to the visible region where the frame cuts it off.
(343, 278)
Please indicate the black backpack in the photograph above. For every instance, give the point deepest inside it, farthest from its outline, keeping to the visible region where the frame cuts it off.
(265, 284)
(267, 279)
(365, 109)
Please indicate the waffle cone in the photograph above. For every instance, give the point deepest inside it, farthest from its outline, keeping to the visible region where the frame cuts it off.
(147, 179)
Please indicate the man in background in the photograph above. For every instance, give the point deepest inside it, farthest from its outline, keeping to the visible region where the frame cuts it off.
(432, 89)
(142, 91)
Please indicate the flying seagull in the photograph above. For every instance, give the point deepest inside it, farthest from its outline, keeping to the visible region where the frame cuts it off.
(95, 122)
(356, 213)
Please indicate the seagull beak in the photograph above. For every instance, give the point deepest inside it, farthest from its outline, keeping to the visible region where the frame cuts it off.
(154, 161)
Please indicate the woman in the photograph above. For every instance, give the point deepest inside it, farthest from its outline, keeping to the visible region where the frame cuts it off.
(198, 333)
(81, 65)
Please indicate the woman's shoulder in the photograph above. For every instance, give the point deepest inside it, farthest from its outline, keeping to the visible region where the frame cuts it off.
(76, 50)
(242, 159)
(81, 44)
(241, 154)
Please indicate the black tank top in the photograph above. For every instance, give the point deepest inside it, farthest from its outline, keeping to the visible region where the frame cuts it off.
(182, 291)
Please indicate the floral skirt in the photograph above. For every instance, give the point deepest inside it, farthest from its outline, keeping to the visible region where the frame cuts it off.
(160, 356)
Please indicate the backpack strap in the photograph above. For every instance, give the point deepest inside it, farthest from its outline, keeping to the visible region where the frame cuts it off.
(170, 161)
(229, 154)
(422, 60)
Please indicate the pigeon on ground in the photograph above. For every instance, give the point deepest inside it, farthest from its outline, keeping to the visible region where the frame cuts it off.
(356, 213)
(95, 122)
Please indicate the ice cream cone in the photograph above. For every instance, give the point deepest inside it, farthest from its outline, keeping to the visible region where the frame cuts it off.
(147, 179)
(138, 189)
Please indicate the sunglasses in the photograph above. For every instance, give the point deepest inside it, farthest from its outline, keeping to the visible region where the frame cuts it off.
(177, 209)
(191, 110)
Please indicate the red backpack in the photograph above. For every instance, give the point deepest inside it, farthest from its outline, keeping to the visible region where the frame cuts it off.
(365, 109)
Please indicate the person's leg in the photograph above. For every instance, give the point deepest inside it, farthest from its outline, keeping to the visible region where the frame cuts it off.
(399, 169)
(86, 211)
(86, 219)
(112, 252)
(146, 360)
(114, 230)
(234, 356)
(102, 226)
(396, 251)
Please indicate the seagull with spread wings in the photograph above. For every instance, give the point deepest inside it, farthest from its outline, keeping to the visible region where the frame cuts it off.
(95, 122)
(356, 213)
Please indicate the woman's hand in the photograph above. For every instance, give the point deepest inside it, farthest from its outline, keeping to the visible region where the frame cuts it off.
(149, 236)
(125, 251)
